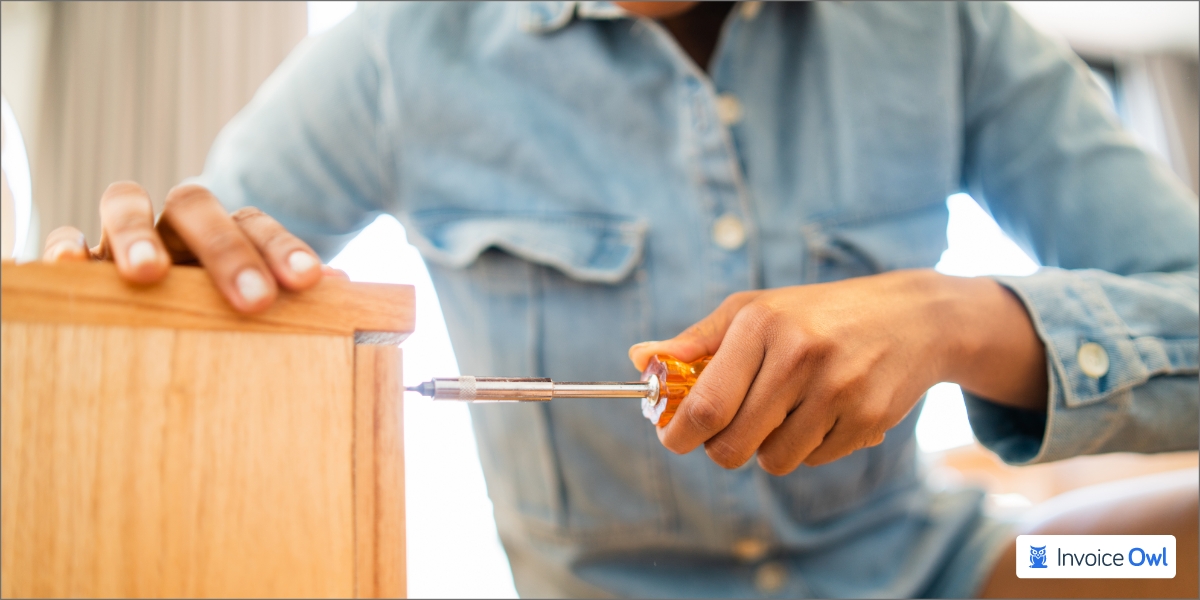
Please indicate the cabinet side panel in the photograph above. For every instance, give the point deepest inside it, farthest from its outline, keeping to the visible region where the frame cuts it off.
(151, 462)
(379, 473)
(83, 409)
(259, 499)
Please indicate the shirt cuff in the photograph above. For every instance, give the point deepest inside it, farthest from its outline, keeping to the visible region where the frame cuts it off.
(1093, 361)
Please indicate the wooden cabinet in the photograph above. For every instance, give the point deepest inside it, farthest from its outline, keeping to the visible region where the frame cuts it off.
(155, 443)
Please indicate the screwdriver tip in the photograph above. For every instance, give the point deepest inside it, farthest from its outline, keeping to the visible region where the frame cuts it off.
(425, 389)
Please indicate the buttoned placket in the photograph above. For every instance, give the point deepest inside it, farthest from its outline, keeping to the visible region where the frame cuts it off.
(733, 257)
(733, 236)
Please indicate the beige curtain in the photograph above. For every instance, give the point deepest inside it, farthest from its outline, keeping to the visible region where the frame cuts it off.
(1176, 80)
(1160, 105)
(138, 90)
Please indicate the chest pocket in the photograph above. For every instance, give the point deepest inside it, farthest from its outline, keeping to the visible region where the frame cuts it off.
(856, 246)
(586, 247)
(563, 296)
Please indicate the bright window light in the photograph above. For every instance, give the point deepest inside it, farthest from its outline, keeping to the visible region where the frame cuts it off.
(454, 550)
(976, 246)
(17, 184)
(323, 15)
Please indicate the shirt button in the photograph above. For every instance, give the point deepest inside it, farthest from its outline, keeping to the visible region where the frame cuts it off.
(729, 232)
(770, 577)
(750, 10)
(1093, 360)
(729, 109)
(750, 549)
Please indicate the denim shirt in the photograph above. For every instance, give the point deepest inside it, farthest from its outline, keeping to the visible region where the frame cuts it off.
(576, 184)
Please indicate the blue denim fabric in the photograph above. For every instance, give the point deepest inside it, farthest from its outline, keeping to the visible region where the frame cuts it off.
(561, 167)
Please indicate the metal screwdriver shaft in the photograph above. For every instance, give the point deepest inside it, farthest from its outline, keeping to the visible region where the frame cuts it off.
(665, 382)
(516, 389)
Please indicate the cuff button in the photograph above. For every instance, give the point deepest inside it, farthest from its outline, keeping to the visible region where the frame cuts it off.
(1093, 360)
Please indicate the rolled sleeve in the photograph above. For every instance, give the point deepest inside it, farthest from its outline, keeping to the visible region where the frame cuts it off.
(1142, 398)
(311, 148)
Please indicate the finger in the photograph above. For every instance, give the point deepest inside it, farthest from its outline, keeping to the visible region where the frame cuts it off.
(65, 244)
(293, 263)
(128, 235)
(233, 263)
(329, 271)
(801, 433)
(720, 389)
(774, 393)
(700, 340)
(842, 440)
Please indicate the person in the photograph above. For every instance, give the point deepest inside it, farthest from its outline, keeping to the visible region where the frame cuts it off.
(771, 181)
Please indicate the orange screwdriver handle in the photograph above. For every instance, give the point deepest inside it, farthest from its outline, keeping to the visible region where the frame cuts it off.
(675, 380)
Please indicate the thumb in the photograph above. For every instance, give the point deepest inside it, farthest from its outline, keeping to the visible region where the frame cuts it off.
(700, 340)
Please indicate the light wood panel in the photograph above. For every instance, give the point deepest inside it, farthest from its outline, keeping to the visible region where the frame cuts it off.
(92, 293)
(161, 463)
(379, 473)
(163, 446)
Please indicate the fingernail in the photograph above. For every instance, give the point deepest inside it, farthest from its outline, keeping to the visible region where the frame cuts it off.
(251, 285)
(640, 344)
(142, 252)
(301, 261)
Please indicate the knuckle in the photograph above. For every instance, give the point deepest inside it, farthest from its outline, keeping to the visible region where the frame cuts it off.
(278, 239)
(815, 461)
(725, 454)
(794, 353)
(826, 455)
(870, 416)
(859, 422)
(874, 438)
(265, 232)
(820, 346)
(704, 415)
(125, 221)
(759, 314)
(124, 188)
(676, 447)
(740, 298)
(225, 244)
(846, 382)
(186, 194)
(65, 233)
(775, 465)
(246, 213)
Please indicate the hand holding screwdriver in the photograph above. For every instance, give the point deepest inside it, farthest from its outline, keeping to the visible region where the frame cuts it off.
(811, 373)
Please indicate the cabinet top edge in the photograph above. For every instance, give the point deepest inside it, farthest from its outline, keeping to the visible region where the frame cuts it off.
(92, 293)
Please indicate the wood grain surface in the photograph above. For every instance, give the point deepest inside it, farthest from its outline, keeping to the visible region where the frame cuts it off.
(379, 473)
(178, 463)
(157, 444)
(92, 293)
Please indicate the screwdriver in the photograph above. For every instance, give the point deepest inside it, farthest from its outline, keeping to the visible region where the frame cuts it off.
(664, 384)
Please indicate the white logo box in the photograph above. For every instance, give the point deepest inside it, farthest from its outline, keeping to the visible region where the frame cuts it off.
(1096, 556)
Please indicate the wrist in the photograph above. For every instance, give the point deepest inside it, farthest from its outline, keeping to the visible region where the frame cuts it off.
(954, 306)
(995, 352)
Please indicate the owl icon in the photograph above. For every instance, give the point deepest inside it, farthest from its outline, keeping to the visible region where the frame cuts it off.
(1037, 557)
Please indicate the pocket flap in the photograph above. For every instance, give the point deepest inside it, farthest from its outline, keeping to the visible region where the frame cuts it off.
(585, 246)
(908, 240)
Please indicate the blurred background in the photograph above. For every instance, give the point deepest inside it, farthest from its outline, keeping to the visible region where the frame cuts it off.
(100, 91)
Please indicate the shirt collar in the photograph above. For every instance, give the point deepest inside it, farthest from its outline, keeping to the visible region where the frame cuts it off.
(545, 17)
